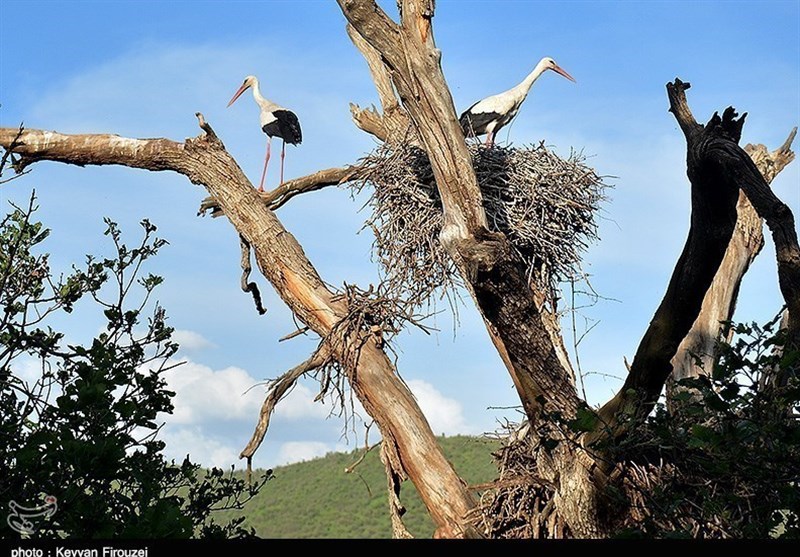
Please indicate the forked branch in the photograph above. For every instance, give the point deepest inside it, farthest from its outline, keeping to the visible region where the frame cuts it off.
(717, 167)
(712, 222)
(720, 300)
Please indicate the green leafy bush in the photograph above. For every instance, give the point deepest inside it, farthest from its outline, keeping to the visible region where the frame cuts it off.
(725, 461)
(79, 453)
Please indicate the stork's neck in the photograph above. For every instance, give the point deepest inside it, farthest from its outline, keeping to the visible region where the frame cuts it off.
(260, 100)
(523, 88)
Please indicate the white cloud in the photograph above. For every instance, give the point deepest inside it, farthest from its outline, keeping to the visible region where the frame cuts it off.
(300, 451)
(232, 394)
(203, 394)
(190, 340)
(445, 415)
(299, 404)
(204, 450)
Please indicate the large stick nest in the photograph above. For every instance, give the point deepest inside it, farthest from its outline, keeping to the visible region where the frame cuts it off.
(544, 204)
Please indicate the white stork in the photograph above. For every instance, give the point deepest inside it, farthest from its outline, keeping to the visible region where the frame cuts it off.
(276, 121)
(487, 116)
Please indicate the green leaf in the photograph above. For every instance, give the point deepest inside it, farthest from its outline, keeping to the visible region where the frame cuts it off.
(585, 420)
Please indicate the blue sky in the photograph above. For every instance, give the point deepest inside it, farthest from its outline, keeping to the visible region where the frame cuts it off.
(142, 69)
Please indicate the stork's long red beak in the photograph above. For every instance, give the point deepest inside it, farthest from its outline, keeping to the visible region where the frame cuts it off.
(559, 70)
(238, 93)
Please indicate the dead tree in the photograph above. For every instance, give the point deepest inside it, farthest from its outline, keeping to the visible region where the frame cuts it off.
(412, 449)
(571, 467)
(720, 300)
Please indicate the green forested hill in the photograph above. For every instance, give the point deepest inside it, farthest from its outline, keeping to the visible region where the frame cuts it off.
(317, 499)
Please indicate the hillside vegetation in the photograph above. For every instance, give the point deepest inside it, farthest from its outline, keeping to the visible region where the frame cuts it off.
(317, 499)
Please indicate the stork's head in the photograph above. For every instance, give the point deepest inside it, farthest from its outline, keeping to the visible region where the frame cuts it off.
(249, 81)
(550, 64)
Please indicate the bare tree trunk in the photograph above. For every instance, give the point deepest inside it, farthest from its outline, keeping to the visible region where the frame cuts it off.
(280, 258)
(697, 353)
(492, 272)
(717, 168)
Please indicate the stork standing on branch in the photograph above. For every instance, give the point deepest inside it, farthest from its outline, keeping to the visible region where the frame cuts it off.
(276, 121)
(487, 116)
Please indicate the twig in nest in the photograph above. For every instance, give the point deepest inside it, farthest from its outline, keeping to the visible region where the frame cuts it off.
(544, 204)
(251, 287)
(519, 503)
(377, 311)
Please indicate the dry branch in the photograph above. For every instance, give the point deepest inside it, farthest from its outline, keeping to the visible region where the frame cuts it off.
(780, 221)
(396, 508)
(279, 196)
(277, 390)
(392, 124)
(313, 182)
(282, 261)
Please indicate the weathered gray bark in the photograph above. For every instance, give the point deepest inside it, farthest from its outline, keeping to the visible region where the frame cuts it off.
(281, 260)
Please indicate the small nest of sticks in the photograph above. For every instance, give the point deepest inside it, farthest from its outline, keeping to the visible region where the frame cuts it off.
(519, 503)
(545, 205)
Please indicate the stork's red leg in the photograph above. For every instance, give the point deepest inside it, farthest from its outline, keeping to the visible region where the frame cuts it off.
(266, 161)
(283, 156)
(490, 139)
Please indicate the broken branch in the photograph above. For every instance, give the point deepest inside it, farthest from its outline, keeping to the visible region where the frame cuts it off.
(276, 392)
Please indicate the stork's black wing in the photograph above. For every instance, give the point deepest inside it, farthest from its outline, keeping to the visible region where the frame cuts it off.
(475, 123)
(288, 126)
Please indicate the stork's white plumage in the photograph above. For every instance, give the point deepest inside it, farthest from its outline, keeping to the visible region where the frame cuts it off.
(487, 116)
(276, 121)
